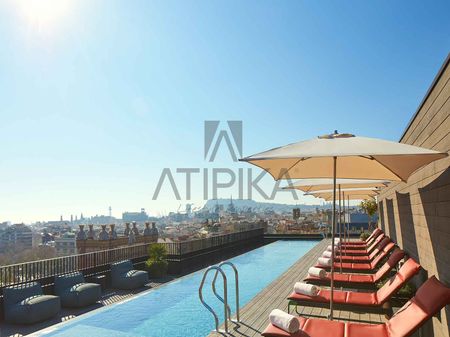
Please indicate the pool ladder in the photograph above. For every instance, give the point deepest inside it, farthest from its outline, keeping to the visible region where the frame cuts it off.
(224, 299)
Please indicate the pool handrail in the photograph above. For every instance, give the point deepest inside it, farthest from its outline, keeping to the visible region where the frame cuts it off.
(236, 280)
(225, 296)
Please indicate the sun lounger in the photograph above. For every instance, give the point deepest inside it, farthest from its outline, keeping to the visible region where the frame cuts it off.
(359, 280)
(348, 250)
(365, 267)
(360, 301)
(386, 242)
(430, 298)
(366, 242)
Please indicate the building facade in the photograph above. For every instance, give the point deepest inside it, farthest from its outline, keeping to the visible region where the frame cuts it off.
(66, 244)
(18, 235)
(416, 214)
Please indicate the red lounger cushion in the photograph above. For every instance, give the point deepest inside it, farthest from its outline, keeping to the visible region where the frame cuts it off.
(365, 330)
(395, 258)
(348, 265)
(339, 296)
(405, 273)
(431, 297)
(309, 328)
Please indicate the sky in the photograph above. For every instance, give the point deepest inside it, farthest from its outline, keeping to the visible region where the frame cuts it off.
(98, 97)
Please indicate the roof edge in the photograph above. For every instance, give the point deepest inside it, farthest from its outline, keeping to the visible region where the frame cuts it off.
(430, 89)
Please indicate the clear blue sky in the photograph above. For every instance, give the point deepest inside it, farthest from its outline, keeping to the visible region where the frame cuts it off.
(97, 97)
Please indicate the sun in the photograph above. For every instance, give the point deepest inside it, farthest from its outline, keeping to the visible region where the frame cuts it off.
(44, 14)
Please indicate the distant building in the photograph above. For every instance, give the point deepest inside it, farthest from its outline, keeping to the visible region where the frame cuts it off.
(296, 213)
(18, 235)
(66, 244)
(141, 216)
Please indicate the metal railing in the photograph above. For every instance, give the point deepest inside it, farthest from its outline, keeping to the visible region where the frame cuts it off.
(98, 261)
(224, 299)
(236, 287)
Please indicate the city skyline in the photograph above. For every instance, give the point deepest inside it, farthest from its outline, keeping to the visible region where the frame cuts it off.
(98, 98)
(70, 218)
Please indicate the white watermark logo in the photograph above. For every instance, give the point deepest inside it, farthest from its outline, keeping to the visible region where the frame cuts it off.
(216, 135)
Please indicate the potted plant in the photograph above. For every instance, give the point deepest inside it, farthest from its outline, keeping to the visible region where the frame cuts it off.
(364, 236)
(157, 260)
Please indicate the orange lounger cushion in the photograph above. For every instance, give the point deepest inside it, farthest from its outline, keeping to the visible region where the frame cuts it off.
(339, 296)
(313, 327)
(431, 297)
(395, 258)
(386, 242)
(348, 265)
(368, 299)
(362, 266)
(361, 250)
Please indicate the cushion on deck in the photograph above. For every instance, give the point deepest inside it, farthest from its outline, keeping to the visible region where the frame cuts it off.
(323, 296)
(365, 330)
(404, 274)
(81, 295)
(430, 298)
(358, 266)
(348, 265)
(361, 278)
(395, 258)
(338, 277)
(339, 296)
(323, 327)
(15, 294)
(352, 251)
(360, 298)
(33, 309)
(125, 277)
(26, 304)
(353, 258)
(74, 291)
(273, 331)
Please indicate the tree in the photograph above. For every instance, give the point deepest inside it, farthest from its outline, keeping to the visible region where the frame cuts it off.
(370, 207)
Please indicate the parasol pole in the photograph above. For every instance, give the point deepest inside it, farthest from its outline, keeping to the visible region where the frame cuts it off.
(348, 219)
(340, 227)
(333, 225)
(343, 225)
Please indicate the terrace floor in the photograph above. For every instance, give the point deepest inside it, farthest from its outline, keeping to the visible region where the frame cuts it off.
(109, 296)
(254, 315)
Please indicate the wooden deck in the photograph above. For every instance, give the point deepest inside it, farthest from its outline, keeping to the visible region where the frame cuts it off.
(254, 316)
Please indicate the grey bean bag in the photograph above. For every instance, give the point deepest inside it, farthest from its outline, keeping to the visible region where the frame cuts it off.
(26, 304)
(124, 277)
(75, 292)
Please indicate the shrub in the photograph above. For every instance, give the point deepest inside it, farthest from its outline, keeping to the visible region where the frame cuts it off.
(364, 236)
(157, 260)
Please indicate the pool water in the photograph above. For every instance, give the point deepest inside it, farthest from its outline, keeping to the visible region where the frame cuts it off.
(174, 309)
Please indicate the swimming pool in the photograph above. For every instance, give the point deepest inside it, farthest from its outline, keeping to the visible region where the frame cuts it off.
(174, 309)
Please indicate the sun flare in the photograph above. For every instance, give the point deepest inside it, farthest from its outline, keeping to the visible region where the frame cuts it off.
(44, 14)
